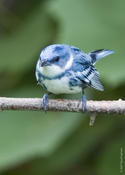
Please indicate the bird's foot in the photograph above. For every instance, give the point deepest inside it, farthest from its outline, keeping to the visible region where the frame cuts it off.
(45, 102)
(83, 101)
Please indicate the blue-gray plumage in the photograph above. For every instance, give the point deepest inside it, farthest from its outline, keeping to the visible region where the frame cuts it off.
(65, 69)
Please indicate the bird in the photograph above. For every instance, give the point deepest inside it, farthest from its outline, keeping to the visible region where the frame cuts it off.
(65, 69)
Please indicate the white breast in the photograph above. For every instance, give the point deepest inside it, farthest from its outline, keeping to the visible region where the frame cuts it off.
(61, 86)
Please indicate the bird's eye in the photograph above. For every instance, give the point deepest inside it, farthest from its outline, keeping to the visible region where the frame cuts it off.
(56, 59)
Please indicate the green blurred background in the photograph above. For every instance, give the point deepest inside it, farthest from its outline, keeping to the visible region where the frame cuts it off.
(36, 143)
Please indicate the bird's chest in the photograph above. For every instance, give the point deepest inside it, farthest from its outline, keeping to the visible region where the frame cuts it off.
(60, 86)
(56, 85)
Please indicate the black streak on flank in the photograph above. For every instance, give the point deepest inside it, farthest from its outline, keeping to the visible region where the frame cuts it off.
(73, 82)
(44, 86)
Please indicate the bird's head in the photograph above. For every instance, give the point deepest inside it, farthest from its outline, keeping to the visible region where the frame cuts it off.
(54, 59)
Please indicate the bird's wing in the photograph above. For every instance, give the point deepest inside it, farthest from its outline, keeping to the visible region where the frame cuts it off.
(85, 72)
(90, 77)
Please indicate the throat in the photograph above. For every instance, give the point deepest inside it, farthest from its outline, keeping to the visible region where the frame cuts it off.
(51, 71)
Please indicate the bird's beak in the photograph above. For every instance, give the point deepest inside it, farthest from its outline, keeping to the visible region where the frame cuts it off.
(44, 63)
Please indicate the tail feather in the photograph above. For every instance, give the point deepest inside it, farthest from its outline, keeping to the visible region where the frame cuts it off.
(98, 54)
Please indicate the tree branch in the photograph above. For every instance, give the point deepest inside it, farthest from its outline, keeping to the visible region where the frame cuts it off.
(35, 104)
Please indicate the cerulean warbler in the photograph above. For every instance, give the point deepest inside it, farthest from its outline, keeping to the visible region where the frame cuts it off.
(65, 69)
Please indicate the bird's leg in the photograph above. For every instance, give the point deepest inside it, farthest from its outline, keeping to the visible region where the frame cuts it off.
(45, 101)
(83, 102)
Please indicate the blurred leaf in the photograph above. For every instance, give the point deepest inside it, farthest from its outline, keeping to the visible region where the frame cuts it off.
(24, 135)
(112, 159)
(19, 49)
(78, 146)
(13, 12)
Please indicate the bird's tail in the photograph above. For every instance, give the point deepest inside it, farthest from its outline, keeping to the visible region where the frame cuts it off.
(98, 54)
